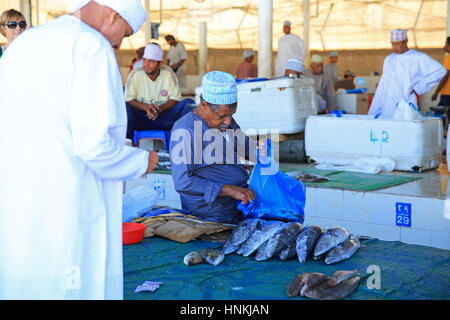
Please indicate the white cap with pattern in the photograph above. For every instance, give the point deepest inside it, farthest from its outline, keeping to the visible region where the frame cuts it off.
(398, 35)
(153, 52)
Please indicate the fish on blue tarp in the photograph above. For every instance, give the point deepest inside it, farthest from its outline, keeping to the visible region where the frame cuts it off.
(279, 241)
(330, 239)
(343, 251)
(212, 256)
(306, 242)
(261, 234)
(240, 234)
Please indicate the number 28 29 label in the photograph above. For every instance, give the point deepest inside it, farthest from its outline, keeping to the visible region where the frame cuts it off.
(403, 214)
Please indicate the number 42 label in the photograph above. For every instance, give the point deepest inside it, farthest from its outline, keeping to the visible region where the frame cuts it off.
(403, 214)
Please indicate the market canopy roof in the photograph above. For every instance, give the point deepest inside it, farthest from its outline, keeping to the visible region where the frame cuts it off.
(233, 24)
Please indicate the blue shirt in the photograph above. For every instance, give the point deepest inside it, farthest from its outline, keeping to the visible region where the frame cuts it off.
(199, 174)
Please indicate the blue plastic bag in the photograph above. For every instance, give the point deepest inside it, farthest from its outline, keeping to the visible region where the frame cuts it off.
(278, 196)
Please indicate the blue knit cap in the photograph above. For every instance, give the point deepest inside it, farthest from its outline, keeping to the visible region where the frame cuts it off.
(219, 88)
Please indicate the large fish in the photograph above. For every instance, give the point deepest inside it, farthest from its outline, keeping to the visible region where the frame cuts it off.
(240, 234)
(279, 240)
(343, 251)
(261, 234)
(290, 252)
(330, 239)
(324, 292)
(306, 242)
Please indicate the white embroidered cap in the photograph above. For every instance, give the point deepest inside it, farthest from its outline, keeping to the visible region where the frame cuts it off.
(398, 35)
(153, 52)
(296, 65)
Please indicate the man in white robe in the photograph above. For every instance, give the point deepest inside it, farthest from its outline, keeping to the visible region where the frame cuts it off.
(406, 72)
(331, 70)
(63, 155)
(176, 58)
(323, 84)
(290, 46)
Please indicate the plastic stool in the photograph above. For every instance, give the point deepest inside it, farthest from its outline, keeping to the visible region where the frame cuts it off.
(338, 113)
(162, 135)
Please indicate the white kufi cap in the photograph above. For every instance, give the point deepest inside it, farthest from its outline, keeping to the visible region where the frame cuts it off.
(398, 35)
(296, 65)
(131, 11)
(153, 52)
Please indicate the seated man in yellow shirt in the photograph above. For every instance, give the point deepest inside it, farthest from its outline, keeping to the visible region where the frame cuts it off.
(153, 95)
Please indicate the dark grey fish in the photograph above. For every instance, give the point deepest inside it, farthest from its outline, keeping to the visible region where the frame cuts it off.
(330, 239)
(343, 251)
(290, 252)
(192, 258)
(279, 240)
(340, 276)
(240, 234)
(306, 242)
(212, 256)
(261, 234)
(325, 292)
(309, 177)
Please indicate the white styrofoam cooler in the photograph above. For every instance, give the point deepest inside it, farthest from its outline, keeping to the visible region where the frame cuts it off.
(413, 144)
(282, 104)
(353, 103)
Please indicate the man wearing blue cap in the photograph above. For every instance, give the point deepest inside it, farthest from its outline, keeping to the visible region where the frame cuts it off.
(205, 156)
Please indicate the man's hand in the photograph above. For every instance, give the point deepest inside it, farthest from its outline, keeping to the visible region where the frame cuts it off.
(152, 111)
(435, 95)
(261, 148)
(238, 193)
(152, 161)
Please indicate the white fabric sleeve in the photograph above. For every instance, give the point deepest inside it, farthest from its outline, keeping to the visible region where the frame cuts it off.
(98, 116)
(376, 105)
(430, 72)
